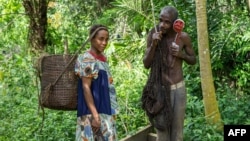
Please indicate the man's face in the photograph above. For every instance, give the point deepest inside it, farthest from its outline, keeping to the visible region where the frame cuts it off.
(165, 22)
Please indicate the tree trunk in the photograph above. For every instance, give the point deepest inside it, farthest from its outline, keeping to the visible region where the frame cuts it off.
(208, 91)
(36, 10)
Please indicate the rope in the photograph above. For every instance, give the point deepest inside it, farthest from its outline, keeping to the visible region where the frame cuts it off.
(152, 6)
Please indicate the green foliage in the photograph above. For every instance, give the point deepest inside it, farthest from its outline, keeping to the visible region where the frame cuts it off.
(229, 42)
(67, 22)
(21, 119)
(196, 127)
(129, 78)
(233, 104)
(11, 20)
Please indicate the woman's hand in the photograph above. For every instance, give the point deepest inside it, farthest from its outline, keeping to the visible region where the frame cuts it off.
(96, 124)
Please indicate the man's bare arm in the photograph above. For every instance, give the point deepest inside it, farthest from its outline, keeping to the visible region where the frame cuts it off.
(152, 42)
(188, 55)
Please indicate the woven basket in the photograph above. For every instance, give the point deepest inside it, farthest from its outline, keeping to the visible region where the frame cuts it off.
(58, 82)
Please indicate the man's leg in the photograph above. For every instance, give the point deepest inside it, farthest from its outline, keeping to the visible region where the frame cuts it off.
(163, 135)
(178, 101)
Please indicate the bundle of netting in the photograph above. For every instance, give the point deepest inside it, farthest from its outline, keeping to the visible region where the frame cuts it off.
(156, 94)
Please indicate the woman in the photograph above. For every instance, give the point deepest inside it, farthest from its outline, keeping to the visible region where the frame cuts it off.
(97, 103)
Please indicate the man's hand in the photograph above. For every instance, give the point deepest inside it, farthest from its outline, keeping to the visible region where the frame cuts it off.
(156, 37)
(175, 49)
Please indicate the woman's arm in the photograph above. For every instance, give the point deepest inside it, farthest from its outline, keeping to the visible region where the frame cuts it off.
(86, 84)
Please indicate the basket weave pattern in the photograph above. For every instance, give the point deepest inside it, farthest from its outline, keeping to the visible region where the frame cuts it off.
(61, 95)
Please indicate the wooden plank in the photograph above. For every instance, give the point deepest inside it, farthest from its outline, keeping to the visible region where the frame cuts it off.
(141, 135)
(152, 137)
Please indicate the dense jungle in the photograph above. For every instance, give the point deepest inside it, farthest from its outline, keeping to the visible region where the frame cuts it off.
(31, 28)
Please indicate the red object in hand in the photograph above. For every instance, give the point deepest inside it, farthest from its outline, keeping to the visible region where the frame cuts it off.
(178, 25)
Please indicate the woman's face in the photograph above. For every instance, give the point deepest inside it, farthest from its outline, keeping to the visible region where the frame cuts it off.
(100, 41)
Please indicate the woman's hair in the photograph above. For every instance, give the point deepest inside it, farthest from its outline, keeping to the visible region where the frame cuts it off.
(95, 28)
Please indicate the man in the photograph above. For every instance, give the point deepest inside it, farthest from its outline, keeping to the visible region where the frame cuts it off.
(164, 96)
